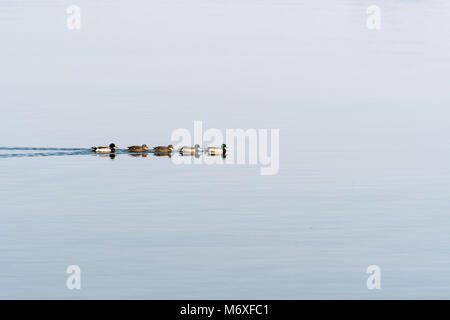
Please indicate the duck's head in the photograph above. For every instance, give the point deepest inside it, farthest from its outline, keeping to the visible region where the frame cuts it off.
(144, 146)
(224, 146)
(170, 146)
(112, 146)
(197, 147)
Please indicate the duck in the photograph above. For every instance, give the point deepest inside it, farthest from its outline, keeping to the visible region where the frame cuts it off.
(142, 148)
(105, 149)
(163, 149)
(217, 150)
(190, 150)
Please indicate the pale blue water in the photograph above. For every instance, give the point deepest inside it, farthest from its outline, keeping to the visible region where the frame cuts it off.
(364, 149)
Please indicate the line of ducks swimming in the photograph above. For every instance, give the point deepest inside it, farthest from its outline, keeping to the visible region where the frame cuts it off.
(163, 149)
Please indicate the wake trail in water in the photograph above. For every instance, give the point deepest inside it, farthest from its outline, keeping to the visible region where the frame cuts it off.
(41, 152)
(44, 154)
(42, 149)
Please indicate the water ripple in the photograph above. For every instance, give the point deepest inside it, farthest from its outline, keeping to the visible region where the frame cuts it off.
(42, 149)
(44, 154)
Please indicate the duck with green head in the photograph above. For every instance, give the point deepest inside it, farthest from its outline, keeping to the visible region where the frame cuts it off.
(105, 149)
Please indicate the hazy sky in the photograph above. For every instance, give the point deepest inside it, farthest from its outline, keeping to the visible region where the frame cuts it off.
(138, 70)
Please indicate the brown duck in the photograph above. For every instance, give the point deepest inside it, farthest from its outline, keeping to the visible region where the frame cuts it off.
(142, 148)
(163, 149)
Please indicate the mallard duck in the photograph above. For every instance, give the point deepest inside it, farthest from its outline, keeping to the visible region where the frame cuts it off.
(217, 150)
(190, 150)
(163, 149)
(104, 149)
(142, 148)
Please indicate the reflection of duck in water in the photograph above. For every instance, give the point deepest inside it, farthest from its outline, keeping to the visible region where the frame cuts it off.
(163, 154)
(223, 155)
(188, 151)
(104, 149)
(143, 155)
(214, 151)
(163, 149)
(112, 156)
(142, 148)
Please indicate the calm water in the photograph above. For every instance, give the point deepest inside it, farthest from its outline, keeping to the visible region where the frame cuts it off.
(364, 149)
